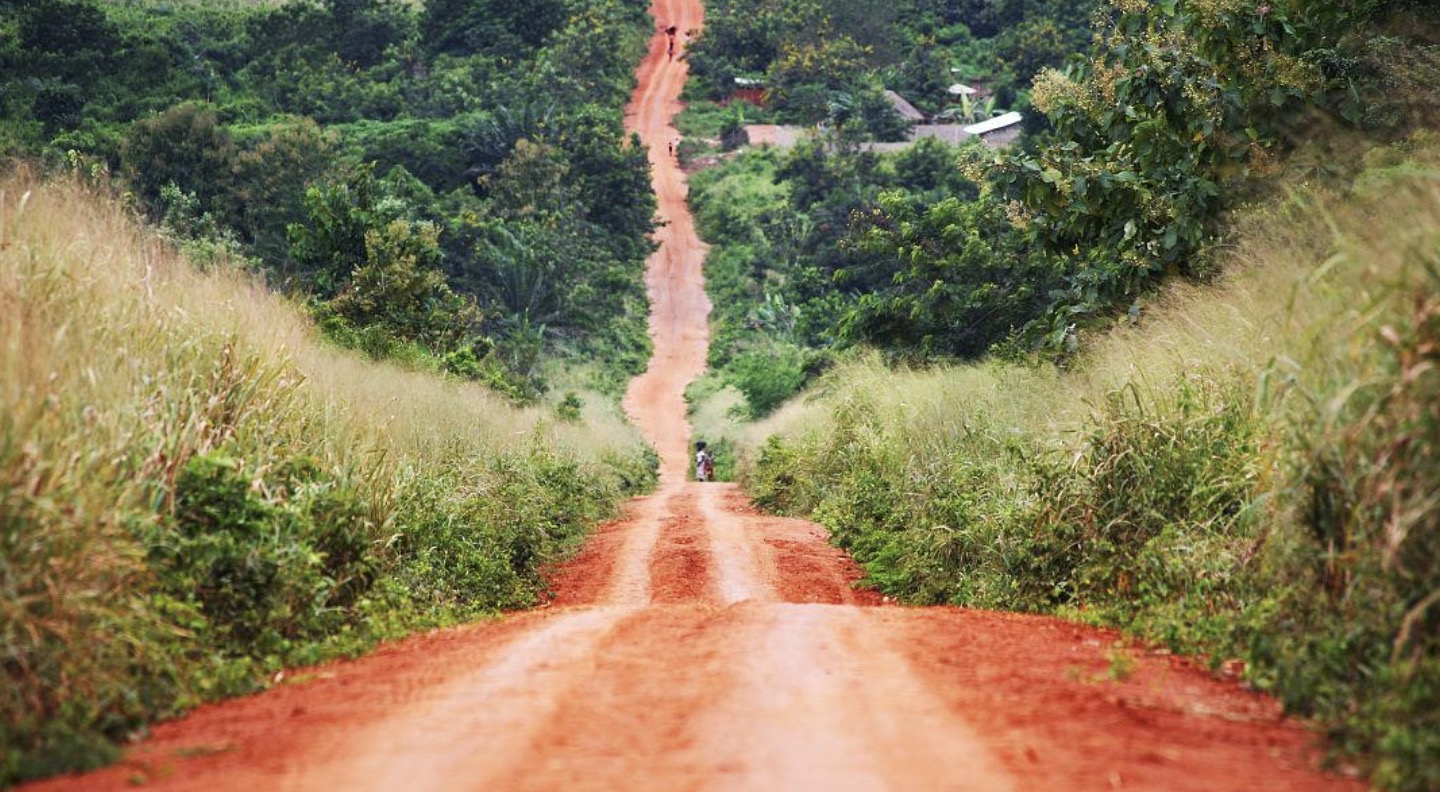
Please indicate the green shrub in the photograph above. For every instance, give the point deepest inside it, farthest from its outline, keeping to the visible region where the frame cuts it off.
(569, 407)
(768, 377)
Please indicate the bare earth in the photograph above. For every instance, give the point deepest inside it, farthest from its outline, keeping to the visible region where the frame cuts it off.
(695, 644)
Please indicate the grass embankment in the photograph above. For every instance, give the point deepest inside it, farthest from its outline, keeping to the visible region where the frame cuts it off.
(195, 491)
(1248, 470)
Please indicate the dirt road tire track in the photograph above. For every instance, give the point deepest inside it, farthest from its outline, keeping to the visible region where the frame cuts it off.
(697, 645)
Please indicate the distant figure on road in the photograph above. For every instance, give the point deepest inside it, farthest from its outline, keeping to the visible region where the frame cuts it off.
(704, 462)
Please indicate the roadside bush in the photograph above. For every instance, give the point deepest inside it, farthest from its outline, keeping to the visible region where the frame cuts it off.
(767, 377)
(267, 562)
(477, 536)
(1355, 635)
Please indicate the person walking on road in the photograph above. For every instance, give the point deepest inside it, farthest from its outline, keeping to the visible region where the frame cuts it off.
(704, 462)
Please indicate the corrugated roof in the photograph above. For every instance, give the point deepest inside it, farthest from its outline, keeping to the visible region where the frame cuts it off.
(998, 122)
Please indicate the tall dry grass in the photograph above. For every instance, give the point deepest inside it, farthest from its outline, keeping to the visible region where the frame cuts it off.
(194, 488)
(107, 309)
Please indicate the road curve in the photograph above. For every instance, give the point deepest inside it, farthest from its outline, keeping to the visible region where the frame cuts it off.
(695, 644)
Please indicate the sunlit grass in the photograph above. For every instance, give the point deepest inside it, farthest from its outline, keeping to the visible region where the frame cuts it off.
(120, 363)
(124, 306)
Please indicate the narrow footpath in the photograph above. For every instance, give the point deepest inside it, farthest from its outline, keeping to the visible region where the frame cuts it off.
(698, 645)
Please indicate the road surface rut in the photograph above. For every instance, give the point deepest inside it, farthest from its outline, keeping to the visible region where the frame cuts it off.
(697, 645)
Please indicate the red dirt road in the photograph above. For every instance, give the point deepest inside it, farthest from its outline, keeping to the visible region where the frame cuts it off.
(695, 644)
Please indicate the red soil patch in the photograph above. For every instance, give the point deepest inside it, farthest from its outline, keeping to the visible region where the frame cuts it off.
(1072, 707)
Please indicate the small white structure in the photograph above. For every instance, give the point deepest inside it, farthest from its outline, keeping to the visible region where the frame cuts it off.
(995, 124)
(960, 89)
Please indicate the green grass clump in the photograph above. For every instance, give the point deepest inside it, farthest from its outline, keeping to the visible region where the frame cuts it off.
(196, 490)
(1249, 469)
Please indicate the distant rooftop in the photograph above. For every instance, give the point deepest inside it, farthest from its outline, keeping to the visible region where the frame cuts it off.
(998, 122)
(906, 110)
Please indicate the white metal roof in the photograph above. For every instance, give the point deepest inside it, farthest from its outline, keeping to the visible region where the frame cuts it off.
(998, 122)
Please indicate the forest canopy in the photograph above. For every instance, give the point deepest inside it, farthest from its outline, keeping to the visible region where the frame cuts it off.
(473, 151)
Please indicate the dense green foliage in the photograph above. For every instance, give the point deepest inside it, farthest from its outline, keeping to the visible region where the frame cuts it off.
(820, 58)
(243, 125)
(194, 493)
(1177, 114)
(1174, 115)
(781, 281)
(1183, 109)
(1239, 477)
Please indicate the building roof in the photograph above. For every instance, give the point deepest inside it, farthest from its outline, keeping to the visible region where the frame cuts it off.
(784, 137)
(998, 122)
(906, 110)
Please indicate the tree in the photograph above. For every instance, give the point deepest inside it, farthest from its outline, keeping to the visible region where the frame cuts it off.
(804, 76)
(65, 27)
(364, 29)
(506, 28)
(331, 243)
(491, 137)
(271, 178)
(867, 114)
(400, 288)
(957, 281)
(184, 146)
(58, 105)
(532, 183)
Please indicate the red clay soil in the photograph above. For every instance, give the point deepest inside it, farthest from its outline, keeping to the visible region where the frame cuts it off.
(695, 644)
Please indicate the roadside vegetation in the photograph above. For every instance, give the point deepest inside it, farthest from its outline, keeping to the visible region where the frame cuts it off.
(1167, 364)
(1248, 470)
(831, 60)
(207, 210)
(198, 489)
(445, 184)
(1139, 148)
